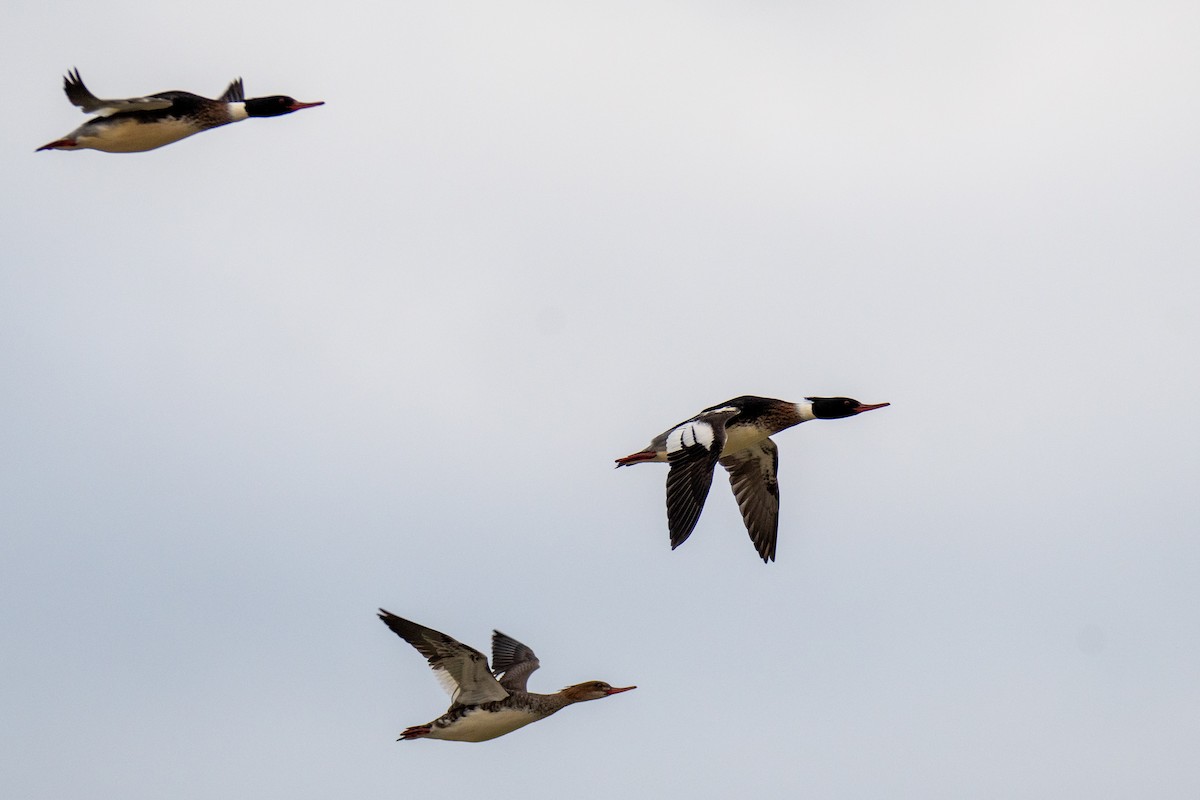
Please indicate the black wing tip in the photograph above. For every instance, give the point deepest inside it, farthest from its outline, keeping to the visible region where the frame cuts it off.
(770, 554)
(682, 522)
(502, 641)
(683, 514)
(765, 547)
(72, 81)
(681, 536)
(235, 92)
(77, 93)
(394, 622)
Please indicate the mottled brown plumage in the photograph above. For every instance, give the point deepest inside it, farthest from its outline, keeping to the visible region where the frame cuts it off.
(486, 703)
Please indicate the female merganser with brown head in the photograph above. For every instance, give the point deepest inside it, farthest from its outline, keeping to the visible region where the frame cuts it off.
(734, 433)
(482, 707)
(137, 124)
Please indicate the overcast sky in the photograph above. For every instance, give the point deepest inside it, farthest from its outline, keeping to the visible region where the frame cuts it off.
(383, 352)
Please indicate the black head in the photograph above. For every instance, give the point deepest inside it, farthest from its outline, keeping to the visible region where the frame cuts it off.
(276, 106)
(839, 407)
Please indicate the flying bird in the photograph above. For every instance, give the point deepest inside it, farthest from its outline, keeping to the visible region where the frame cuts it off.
(735, 434)
(485, 702)
(137, 124)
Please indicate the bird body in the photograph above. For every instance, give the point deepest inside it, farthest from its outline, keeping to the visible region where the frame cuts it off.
(736, 434)
(474, 724)
(485, 702)
(138, 124)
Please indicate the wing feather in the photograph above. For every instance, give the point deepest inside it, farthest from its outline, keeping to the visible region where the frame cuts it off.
(752, 474)
(692, 452)
(512, 660)
(79, 95)
(461, 670)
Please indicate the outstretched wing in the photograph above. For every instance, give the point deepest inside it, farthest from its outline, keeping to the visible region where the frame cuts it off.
(79, 95)
(752, 474)
(462, 670)
(692, 452)
(515, 661)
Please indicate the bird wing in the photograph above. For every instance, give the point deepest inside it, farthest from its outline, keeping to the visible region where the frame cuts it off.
(752, 475)
(235, 93)
(79, 95)
(692, 451)
(461, 670)
(512, 659)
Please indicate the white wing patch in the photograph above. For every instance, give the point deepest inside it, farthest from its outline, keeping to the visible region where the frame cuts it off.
(689, 435)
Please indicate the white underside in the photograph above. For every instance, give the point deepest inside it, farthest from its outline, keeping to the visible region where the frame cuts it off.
(128, 136)
(479, 725)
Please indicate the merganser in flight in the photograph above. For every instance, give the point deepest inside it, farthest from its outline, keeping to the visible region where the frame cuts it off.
(736, 434)
(482, 707)
(138, 124)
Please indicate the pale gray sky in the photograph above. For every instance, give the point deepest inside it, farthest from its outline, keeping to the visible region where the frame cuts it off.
(383, 352)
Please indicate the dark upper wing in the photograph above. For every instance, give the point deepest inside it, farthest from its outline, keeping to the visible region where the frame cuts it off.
(462, 670)
(692, 451)
(236, 93)
(79, 95)
(752, 476)
(512, 659)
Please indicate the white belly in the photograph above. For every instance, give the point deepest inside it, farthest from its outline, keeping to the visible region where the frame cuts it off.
(479, 726)
(128, 136)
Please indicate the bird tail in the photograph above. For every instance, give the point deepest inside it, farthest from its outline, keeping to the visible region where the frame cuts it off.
(415, 732)
(636, 458)
(58, 144)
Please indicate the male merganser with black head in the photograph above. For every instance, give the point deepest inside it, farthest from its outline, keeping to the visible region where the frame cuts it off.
(137, 124)
(736, 434)
(482, 707)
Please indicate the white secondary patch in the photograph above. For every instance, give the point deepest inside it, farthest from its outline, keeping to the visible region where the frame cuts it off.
(237, 112)
(689, 435)
(128, 136)
(479, 725)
